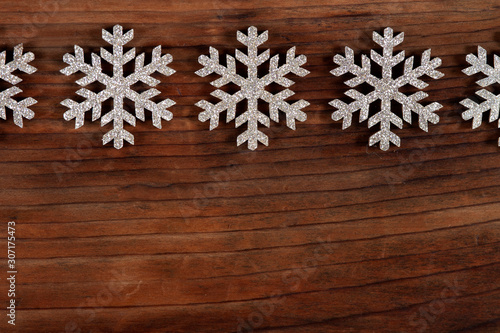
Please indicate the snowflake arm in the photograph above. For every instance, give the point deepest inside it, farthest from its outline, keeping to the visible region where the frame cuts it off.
(93, 72)
(410, 103)
(93, 102)
(252, 88)
(475, 111)
(479, 64)
(491, 103)
(425, 113)
(20, 62)
(277, 102)
(143, 73)
(212, 111)
(158, 110)
(20, 108)
(427, 67)
(228, 75)
(362, 75)
(158, 64)
(118, 87)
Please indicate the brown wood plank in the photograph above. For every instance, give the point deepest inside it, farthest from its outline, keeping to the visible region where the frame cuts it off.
(186, 232)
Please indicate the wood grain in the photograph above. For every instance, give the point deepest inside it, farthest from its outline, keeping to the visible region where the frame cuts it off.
(185, 232)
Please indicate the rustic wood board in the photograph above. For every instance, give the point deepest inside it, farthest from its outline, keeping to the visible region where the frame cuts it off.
(186, 232)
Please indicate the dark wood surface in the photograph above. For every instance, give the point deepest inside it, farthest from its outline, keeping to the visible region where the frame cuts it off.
(186, 232)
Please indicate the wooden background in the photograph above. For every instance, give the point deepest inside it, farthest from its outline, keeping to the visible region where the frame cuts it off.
(186, 232)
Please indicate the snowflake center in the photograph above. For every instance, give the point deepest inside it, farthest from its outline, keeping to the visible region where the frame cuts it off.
(387, 88)
(117, 85)
(252, 89)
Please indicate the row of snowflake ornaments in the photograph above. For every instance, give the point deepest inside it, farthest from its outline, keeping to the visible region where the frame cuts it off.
(252, 88)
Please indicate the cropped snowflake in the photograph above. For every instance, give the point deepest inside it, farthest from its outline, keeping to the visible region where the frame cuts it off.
(118, 87)
(386, 89)
(491, 101)
(20, 62)
(252, 88)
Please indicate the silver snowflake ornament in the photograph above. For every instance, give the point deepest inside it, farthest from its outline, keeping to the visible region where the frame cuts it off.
(252, 88)
(386, 89)
(491, 103)
(118, 86)
(20, 62)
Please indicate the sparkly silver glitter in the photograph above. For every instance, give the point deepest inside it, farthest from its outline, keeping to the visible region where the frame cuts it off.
(386, 89)
(252, 88)
(475, 111)
(20, 62)
(118, 86)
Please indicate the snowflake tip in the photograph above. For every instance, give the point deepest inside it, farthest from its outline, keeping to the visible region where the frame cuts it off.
(118, 136)
(253, 39)
(496, 61)
(252, 138)
(482, 54)
(117, 38)
(23, 60)
(388, 40)
(384, 138)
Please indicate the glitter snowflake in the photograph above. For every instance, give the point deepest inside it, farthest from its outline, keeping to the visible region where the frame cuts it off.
(118, 86)
(20, 62)
(491, 101)
(252, 88)
(386, 89)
